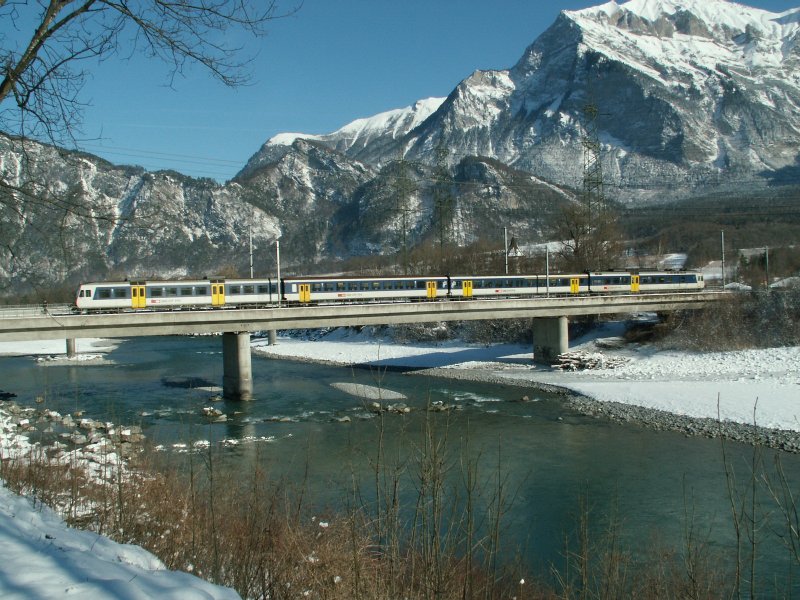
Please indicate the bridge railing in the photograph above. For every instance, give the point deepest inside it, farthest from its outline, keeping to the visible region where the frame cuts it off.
(36, 310)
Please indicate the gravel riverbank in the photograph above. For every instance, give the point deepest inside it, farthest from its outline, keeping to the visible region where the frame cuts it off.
(659, 420)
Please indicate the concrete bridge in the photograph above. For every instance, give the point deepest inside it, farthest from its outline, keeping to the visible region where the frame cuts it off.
(550, 316)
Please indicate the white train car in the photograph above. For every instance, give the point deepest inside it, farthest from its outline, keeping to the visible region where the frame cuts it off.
(363, 289)
(221, 293)
(670, 281)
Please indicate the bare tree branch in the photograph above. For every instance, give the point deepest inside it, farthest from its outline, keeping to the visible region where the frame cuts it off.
(41, 76)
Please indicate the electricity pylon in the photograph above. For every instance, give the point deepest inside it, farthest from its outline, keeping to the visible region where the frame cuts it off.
(593, 193)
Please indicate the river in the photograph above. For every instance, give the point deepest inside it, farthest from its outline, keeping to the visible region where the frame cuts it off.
(303, 418)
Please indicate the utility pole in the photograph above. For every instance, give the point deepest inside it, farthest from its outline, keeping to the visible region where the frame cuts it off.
(766, 266)
(547, 266)
(723, 259)
(250, 235)
(505, 246)
(278, 262)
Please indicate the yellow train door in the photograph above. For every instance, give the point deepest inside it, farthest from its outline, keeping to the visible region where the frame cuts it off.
(431, 287)
(138, 299)
(304, 292)
(574, 285)
(217, 294)
(467, 289)
(634, 283)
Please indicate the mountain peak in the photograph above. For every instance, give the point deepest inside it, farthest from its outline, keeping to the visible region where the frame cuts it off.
(717, 15)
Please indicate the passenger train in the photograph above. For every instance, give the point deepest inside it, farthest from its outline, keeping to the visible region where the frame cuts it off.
(232, 293)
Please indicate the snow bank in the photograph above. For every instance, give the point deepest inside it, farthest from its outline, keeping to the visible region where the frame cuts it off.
(43, 558)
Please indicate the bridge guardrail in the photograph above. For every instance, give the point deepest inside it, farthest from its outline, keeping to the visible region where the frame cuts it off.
(16, 311)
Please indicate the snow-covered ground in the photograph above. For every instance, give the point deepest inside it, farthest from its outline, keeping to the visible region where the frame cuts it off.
(43, 558)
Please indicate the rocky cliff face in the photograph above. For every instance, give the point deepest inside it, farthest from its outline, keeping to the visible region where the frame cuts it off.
(69, 217)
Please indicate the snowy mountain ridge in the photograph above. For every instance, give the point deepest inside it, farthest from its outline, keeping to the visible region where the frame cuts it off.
(692, 96)
(352, 137)
(691, 34)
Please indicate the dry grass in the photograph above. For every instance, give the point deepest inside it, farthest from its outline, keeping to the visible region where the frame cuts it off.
(257, 536)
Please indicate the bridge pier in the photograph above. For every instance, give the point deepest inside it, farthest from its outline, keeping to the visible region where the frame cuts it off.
(237, 372)
(71, 348)
(273, 337)
(550, 338)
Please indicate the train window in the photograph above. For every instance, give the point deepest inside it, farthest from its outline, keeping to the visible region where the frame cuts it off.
(376, 285)
(340, 286)
(249, 289)
(156, 292)
(234, 289)
(328, 286)
(363, 286)
(186, 291)
(104, 293)
(263, 289)
(173, 291)
(201, 291)
(120, 292)
(316, 287)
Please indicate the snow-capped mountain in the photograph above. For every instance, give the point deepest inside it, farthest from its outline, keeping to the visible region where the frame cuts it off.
(692, 95)
(354, 137)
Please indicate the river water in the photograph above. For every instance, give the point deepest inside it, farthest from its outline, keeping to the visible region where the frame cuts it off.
(303, 420)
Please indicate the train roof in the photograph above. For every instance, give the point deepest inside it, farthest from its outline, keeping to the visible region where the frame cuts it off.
(147, 282)
(363, 277)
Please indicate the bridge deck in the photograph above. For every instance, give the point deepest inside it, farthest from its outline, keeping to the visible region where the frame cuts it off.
(55, 325)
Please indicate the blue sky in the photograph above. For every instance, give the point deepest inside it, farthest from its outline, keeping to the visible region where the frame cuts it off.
(314, 72)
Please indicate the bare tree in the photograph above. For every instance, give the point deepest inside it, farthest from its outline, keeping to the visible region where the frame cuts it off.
(591, 239)
(42, 72)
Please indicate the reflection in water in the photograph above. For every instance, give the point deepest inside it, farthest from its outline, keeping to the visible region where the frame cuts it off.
(303, 428)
